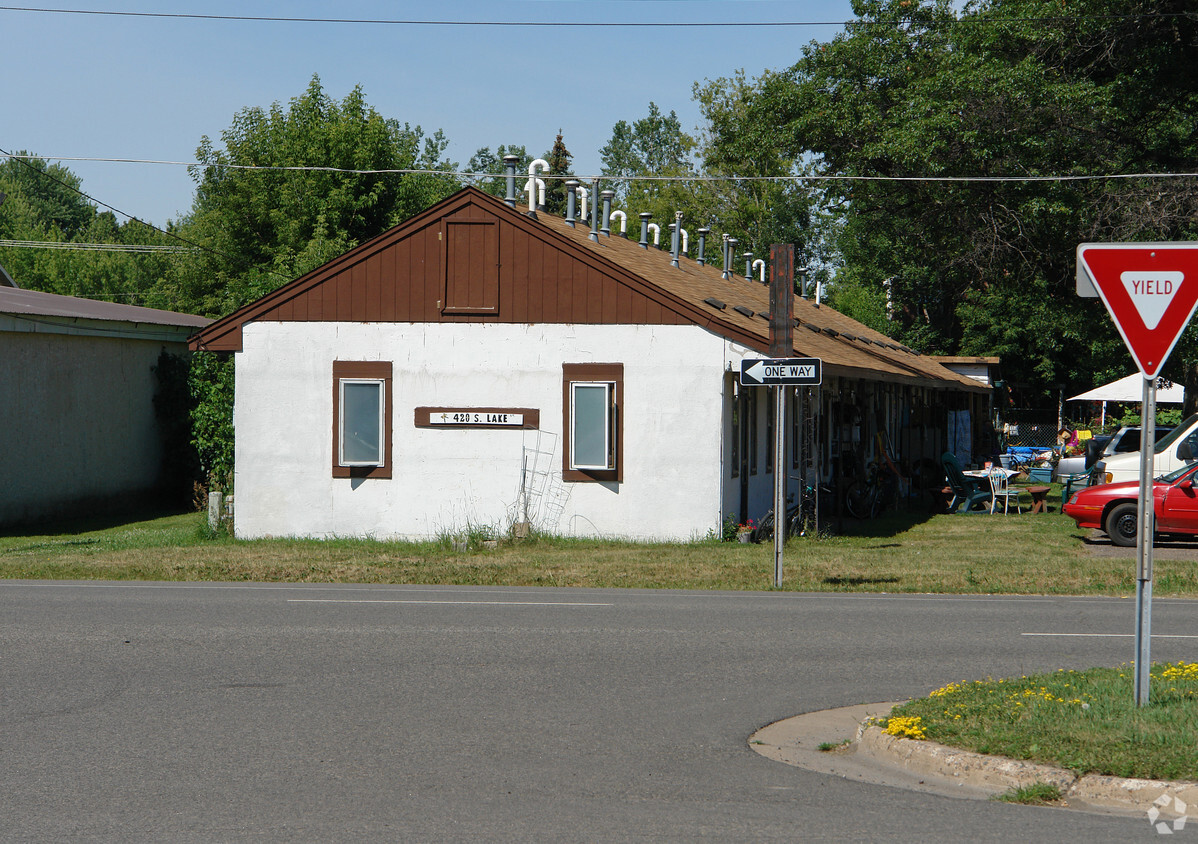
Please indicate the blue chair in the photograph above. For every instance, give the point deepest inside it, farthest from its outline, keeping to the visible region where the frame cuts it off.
(966, 491)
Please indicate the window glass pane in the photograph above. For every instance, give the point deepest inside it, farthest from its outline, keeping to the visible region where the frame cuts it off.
(361, 423)
(589, 438)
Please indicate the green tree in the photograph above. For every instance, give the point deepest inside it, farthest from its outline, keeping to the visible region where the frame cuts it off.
(559, 165)
(263, 227)
(1025, 88)
(485, 161)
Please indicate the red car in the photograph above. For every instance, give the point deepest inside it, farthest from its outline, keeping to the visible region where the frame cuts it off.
(1112, 507)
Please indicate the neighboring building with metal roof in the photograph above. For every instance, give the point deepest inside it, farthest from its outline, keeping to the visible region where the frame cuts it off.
(479, 365)
(76, 402)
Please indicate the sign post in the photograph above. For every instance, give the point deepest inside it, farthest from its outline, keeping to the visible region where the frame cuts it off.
(1151, 292)
(782, 329)
(779, 373)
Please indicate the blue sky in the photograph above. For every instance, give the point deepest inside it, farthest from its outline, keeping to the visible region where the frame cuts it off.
(92, 86)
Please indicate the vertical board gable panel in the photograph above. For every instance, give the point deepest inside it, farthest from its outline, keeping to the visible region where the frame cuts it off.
(357, 276)
(624, 305)
(374, 295)
(328, 295)
(427, 268)
(387, 282)
(561, 296)
(541, 283)
(344, 296)
(314, 298)
(593, 312)
(611, 292)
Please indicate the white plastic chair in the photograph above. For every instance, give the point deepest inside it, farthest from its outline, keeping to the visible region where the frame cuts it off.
(1000, 488)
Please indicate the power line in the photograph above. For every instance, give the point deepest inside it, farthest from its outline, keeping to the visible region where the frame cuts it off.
(694, 177)
(197, 246)
(673, 24)
(96, 247)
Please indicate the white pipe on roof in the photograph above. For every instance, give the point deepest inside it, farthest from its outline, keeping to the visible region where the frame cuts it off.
(623, 220)
(532, 173)
(656, 229)
(759, 265)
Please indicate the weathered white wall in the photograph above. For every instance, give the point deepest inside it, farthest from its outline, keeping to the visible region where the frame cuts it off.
(77, 418)
(445, 481)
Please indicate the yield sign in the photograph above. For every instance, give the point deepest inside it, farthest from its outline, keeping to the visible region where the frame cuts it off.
(1150, 290)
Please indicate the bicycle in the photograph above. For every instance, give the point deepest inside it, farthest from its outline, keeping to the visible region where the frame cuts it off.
(866, 498)
(798, 516)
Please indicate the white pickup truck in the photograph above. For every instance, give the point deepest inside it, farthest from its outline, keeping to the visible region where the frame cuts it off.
(1169, 455)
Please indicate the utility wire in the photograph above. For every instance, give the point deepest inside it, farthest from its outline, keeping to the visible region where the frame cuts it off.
(674, 24)
(96, 247)
(24, 159)
(695, 177)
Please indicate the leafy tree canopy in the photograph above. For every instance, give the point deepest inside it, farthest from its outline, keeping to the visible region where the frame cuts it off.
(266, 226)
(1023, 88)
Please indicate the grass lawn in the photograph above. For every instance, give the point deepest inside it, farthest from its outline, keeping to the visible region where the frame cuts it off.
(1085, 721)
(900, 552)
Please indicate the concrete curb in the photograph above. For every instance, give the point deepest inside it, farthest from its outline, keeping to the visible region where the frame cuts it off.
(998, 774)
(869, 753)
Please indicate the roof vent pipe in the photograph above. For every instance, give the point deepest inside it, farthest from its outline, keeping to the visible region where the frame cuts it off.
(533, 181)
(540, 195)
(724, 257)
(571, 201)
(645, 215)
(702, 258)
(685, 240)
(656, 229)
(607, 197)
(748, 256)
(675, 237)
(509, 170)
(759, 265)
(583, 193)
(623, 222)
(594, 235)
(802, 282)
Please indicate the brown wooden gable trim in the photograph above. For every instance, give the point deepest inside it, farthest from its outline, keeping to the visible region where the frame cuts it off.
(225, 333)
(590, 288)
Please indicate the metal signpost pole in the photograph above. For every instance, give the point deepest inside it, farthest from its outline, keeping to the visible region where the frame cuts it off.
(782, 326)
(780, 522)
(1144, 521)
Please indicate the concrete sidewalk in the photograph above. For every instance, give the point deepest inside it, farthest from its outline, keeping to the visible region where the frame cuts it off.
(868, 754)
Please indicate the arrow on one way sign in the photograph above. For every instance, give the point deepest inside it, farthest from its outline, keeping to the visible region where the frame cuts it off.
(1150, 290)
(769, 371)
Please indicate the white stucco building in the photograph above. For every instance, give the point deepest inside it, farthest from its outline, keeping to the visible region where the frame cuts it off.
(477, 366)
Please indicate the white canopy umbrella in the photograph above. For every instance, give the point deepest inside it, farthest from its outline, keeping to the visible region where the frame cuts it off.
(1131, 389)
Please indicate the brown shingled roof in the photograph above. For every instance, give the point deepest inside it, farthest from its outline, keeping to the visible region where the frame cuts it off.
(344, 288)
(852, 346)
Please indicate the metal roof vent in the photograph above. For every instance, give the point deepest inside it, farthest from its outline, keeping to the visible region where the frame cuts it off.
(509, 172)
(571, 201)
(606, 227)
(702, 257)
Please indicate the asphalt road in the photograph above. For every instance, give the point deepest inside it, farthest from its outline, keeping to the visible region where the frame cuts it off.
(208, 712)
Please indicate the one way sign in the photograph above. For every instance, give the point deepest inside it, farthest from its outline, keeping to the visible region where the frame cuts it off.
(806, 372)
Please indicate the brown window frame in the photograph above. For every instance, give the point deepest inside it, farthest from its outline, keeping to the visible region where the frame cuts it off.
(612, 373)
(373, 371)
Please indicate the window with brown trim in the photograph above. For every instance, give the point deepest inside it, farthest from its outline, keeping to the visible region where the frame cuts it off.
(593, 422)
(361, 419)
